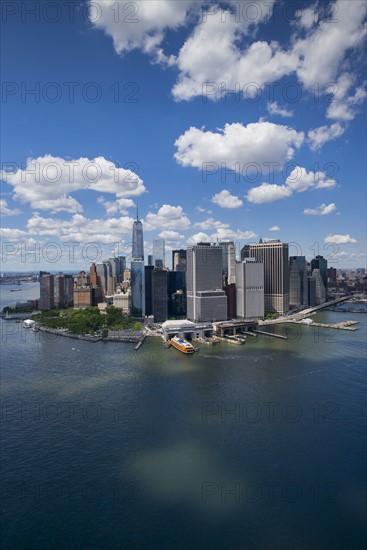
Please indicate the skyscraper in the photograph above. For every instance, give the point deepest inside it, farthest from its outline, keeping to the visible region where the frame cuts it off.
(101, 270)
(250, 289)
(320, 291)
(160, 295)
(298, 293)
(137, 288)
(137, 252)
(274, 255)
(320, 263)
(206, 301)
(179, 260)
(159, 252)
(46, 300)
(229, 262)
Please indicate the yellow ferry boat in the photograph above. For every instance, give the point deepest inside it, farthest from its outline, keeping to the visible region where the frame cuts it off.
(182, 345)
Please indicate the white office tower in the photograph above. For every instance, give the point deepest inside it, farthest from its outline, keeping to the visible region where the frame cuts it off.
(159, 252)
(206, 301)
(137, 289)
(250, 289)
(274, 255)
(229, 261)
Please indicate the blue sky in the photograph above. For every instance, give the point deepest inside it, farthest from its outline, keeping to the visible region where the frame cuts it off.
(131, 107)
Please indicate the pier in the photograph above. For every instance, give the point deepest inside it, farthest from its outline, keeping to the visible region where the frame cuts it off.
(139, 344)
(271, 334)
(344, 325)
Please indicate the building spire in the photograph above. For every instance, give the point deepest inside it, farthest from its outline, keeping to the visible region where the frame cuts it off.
(137, 213)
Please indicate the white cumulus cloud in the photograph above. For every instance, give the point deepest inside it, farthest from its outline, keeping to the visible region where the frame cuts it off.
(120, 206)
(11, 234)
(6, 211)
(299, 180)
(210, 223)
(138, 24)
(80, 229)
(344, 105)
(198, 238)
(340, 239)
(318, 136)
(171, 235)
(237, 145)
(211, 57)
(224, 199)
(274, 109)
(274, 228)
(167, 217)
(322, 210)
(324, 47)
(268, 192)
(47, 182)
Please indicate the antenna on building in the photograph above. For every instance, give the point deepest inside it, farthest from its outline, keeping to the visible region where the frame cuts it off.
(137, 213)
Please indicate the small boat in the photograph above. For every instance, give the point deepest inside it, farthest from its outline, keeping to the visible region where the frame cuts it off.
(182, 345)
(15, 289)
(28, 323)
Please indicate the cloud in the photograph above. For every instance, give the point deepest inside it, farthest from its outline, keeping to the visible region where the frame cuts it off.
(120, 206)
(213, 61)
(171, 235)
(307, 18)
(210, 223)
(138, 24)
(224, 199)
(268, 192)
(203, 210)
(167, 217)
(321, 210)
(343, 106)
(46, 183)
(323, 134)
(5, 211)
(321, 52)
(340, 239)
(222, 234)
(80, 229)
(299, 180)
(274, 109)
(211, 57)
(12, 234)
(237, 145)
(229, 234)
(219, 55)
(274, 228)
(198, 238)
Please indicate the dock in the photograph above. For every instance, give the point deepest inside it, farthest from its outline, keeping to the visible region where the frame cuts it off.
(139, 344)
(232, 340)
(344, 325)
(271, 334)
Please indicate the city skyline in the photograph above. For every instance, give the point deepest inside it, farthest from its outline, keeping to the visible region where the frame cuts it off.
(271, 140)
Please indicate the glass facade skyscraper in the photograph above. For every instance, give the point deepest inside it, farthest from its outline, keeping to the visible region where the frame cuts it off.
(159, 252)
(298, 293)
(137, 252)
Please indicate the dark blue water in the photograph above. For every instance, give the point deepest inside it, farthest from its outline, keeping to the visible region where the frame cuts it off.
(259, 446)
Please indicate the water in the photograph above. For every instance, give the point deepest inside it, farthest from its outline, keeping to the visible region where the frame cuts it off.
(259, 446)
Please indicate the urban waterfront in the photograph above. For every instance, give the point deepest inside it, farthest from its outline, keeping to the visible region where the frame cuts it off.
(233, 447)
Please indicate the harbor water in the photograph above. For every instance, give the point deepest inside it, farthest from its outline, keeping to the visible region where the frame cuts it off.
(260, 446)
